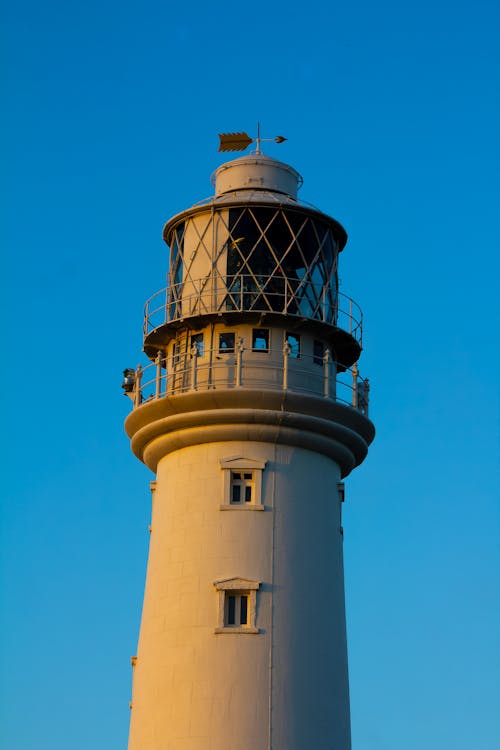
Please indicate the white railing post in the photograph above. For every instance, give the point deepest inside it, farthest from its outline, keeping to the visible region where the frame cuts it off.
(239, 362)
(194, 367)
(158, 375)
(355, 373)
(137, 386)
(327, 358)
(286, 353)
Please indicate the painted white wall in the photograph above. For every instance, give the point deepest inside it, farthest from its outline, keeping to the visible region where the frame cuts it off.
(285, 688)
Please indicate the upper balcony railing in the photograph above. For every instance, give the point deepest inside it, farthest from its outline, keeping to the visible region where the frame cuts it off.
(259, 294)
(271, 370)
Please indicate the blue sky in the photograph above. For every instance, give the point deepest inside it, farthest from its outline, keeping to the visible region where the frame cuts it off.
(392, 116)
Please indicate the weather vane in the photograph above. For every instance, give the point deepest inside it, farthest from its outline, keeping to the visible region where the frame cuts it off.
(241, 141)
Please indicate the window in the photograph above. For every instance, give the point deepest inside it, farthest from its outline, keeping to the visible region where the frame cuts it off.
(237, 610)
(260, 340)
(242, 488)
(197, 341)
(175, 353)
(226, 343)
(318, 352)
(293, 340)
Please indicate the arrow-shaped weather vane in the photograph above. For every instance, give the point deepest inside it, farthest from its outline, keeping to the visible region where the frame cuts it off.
(241, 141)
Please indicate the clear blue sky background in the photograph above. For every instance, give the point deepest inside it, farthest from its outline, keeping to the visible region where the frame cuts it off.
(392, 115)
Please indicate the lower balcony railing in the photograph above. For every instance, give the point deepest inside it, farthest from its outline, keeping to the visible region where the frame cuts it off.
(274, 370)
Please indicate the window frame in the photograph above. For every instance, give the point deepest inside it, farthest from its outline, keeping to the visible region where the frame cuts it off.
(296, 336)
(237, 587)
(319, 359)
(266, 337)
(198, 340)
(242, 465)
(232, 349)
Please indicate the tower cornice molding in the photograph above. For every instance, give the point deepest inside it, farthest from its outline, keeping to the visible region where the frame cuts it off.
(160, 427)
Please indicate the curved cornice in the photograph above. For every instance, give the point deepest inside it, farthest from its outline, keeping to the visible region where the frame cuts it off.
(161, 426)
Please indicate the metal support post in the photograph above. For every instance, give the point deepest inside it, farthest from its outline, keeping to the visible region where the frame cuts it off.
(194, 367)
(239, 362)
(355, 373)
(137, 390)
(327, 358)
(286, 353)
(158, 375)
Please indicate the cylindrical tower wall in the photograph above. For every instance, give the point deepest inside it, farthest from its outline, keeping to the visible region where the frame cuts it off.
(280, 681)
(250, 417)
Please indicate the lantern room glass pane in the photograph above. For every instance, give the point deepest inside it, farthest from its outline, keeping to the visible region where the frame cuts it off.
(279, 260)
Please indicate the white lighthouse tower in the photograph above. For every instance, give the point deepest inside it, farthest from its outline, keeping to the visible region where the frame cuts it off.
(251, 412)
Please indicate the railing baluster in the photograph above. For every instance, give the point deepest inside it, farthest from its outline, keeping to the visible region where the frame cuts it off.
(326, 375)
(239, 362)
(194, 367)
(286, 353)
(158, 375)
(137, 386)
(355, 374)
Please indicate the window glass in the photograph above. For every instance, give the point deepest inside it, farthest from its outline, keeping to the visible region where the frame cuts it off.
(242, 485)
(260, 340)
(244, 610)
(231, 610)
(197, 340)
(226, 342)
(176, 264)
(318, 352)
(294, 343)
(175, 353)
(235, 492)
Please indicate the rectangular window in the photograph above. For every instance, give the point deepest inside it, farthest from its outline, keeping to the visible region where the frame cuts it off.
(226, 343)
(236, 610)
(318, 352)
(260, 340)
(197, 341)
(242, 487)
(293, 340)
(175, 353)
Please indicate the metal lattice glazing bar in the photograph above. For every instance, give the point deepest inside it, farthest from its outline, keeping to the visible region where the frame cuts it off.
(262, 242)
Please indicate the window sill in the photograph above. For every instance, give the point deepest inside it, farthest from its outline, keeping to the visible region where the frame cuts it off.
(237, 630)
(247, 506)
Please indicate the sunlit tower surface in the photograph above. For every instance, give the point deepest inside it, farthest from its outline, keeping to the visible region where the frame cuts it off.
(250, 412)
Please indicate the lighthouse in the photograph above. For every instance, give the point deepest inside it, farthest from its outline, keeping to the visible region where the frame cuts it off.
(250, 411)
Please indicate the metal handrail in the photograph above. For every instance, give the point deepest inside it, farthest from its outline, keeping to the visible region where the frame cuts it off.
(272, 369)
(246, 293)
